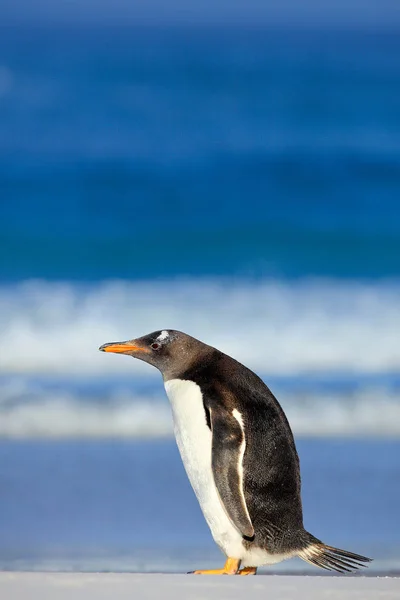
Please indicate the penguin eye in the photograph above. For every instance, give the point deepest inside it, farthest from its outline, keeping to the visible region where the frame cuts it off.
(155, 346)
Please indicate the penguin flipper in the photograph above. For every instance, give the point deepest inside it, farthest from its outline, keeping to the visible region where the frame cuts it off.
(228, 446)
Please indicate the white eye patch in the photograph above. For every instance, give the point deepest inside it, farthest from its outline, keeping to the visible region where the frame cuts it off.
(163, 336)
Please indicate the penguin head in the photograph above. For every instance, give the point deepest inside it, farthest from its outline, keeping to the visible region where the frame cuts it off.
(168, 350)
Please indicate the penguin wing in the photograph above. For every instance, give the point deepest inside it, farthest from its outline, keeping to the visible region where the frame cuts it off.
(228, 446)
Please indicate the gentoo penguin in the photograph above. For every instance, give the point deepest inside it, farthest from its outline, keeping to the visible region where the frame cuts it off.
(239, 454)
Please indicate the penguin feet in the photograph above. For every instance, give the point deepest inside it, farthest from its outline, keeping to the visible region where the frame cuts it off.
(231, 567)
(247, 571)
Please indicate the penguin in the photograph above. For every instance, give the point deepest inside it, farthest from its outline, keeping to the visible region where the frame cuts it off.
(239, 454)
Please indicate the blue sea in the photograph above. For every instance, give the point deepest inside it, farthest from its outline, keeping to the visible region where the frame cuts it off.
(240, 184)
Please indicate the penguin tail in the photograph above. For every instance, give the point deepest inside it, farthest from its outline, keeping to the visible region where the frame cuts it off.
(333, 559)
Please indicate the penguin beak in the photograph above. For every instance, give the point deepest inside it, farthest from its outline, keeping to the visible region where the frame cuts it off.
(123, 347)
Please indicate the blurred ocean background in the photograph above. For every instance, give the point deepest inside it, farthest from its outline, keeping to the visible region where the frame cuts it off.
(239, 183)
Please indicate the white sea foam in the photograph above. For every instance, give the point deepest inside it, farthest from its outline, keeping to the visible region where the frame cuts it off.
(274, 327)
(29, 409)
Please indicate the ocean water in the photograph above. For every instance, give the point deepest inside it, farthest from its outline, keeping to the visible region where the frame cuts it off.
(239, 184)
(128, 506)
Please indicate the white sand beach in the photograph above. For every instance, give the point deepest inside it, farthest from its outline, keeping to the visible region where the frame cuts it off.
(104, 586)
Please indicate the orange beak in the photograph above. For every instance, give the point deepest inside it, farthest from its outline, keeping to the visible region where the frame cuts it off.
(122, 348)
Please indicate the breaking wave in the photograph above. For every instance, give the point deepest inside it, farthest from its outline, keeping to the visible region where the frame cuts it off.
(328, 349)
(276, 327)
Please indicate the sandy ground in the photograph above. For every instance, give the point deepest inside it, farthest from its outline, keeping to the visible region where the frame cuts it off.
(84, 586)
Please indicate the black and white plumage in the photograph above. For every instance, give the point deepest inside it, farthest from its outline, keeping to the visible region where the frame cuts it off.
(239, 454)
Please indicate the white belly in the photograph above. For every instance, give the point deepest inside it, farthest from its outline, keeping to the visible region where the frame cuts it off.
(194, 442)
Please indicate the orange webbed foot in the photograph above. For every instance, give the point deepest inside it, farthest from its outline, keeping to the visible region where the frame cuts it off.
(247, 571)
(231, 567)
